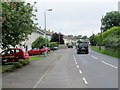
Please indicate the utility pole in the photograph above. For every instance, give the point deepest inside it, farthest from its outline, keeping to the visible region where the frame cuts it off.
(100, 44)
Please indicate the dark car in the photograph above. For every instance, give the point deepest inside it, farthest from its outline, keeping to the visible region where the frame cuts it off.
(13, 55)
(82, 47)
(69, 45)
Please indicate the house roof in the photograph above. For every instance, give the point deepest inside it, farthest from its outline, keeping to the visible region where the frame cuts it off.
(48, 32)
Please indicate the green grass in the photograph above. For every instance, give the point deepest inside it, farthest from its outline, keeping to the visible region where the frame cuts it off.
(4, 68)
(35, 58)
(109, 52)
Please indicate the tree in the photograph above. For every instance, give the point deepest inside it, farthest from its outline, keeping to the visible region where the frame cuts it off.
(110, 19)
(40, 42)
(57, 37)
(17, 22)
(92, 40)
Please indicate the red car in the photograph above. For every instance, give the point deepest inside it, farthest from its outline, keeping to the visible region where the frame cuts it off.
(13, 55)
(34, 52)
(44, 49)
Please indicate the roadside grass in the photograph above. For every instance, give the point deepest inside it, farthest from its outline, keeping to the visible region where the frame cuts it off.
(5, 68)
(109, 52)
(35, 58)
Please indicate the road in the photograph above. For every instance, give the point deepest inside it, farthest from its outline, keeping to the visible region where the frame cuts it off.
(67, 70)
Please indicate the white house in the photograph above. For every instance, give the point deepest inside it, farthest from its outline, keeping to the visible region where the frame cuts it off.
(48, 34)
(32, 37)
(69, 39)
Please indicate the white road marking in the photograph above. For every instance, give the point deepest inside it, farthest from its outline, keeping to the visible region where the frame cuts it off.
(80, 71)
(109, 64)
(94, 57)
(85, 81)
(76, 62)
(8, 75)
(77, 66)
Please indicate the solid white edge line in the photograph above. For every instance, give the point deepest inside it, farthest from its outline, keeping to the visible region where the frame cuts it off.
(77, 66)
(94, 57)
(109, 64)
(80, 71)
(85, 81)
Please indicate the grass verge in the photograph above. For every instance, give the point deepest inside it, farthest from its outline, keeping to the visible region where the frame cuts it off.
(109, 52)
(35, 58)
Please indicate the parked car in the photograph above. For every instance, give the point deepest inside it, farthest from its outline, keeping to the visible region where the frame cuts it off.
(54, 48)
(13, 55)
(34, 51)
(44, 49)
(82, 47)
(69, 45)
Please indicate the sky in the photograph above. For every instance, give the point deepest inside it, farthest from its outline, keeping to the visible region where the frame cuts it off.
(73, 17)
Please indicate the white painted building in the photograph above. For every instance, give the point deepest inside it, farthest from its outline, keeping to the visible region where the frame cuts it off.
(32, 37)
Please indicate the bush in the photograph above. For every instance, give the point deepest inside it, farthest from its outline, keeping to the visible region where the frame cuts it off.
(53, 44)
(40, 42)
(17, 65)
(24, 62)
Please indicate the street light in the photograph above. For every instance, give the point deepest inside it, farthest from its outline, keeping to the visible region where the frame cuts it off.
(45, 16)
(45, 21)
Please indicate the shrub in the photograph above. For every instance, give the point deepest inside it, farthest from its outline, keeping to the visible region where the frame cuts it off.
(53, 44)
(17, 65)
(24, 62)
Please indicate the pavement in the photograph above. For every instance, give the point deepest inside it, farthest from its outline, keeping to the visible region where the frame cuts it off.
(28, 76)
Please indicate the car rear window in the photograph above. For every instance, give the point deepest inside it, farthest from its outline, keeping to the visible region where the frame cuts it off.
(84, 44)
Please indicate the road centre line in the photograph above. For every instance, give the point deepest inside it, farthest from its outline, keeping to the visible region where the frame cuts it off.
(85, 80)
(77, 66)
(76, 62)
(94, 57)
(109, 64)
(80, 71)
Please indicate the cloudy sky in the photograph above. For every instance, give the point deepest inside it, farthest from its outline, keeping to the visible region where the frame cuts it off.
(76, 17)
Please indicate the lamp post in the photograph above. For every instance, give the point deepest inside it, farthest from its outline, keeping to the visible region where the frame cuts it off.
(45, 22)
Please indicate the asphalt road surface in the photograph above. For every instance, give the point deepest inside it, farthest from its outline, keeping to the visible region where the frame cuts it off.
(66, 69)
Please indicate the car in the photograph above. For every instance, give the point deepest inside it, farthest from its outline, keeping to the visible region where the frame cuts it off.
(13, 55)
(82, 47)
(54, 48)
(34, 51)
(69, 45)
(44, 49)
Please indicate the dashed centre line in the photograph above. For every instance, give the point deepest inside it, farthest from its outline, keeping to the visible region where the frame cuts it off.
(85, 81)
(80, 71)
(76, 62)
(77, 66)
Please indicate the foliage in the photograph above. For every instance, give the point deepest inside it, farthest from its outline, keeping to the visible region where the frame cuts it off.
(40, 42)
(92, 40)
(56, 37)
(113, 39)
(17, 65)
(108, 51)
(53, 44)
(24, 62)
(17, 22)
(110, 19)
